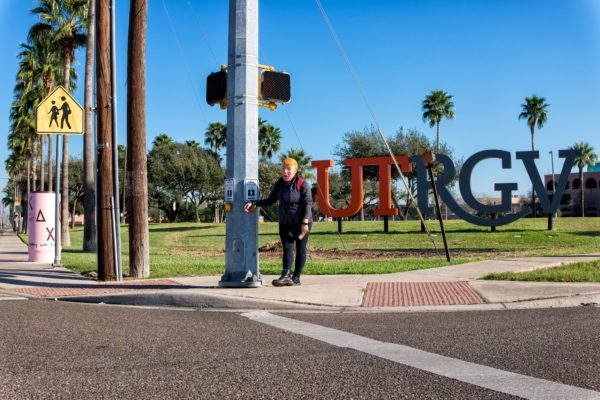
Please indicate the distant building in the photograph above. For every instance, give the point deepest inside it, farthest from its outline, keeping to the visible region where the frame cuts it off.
(570, 202)
(594, 168)
(516, 203)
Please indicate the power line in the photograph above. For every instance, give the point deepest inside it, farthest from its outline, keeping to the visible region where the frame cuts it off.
(184, 60)
(203, 33)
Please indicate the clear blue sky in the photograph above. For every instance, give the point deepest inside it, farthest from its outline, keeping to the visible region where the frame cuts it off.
(489, 54)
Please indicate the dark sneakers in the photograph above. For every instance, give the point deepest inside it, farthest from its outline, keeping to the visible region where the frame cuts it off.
(296, 279)
(284, 280)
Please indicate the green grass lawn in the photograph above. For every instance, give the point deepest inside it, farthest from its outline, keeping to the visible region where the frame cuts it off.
(578, 272)
(185, 249)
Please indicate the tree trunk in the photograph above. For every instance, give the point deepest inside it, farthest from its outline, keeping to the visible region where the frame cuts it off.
(72, 224)
(106, 260)
(437, 137)
(139, 251)
(89, 181)
(50, 169)
(581, 199)
(43, 141)
(65, 238)
(42, 177)
(408, 202)
(34, 154)
(25, 203)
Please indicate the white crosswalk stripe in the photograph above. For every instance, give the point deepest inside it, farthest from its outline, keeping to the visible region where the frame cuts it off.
(487, 377)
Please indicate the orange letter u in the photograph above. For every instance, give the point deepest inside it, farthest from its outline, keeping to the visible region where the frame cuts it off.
(356, 202)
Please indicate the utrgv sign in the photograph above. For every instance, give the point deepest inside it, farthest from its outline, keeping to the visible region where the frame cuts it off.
(384, 165)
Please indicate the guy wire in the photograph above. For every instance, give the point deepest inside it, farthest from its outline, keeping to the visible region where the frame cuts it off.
(316, 180)
(371, 111)
(203, 33)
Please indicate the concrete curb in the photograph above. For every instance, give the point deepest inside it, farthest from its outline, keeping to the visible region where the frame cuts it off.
(224, 302)
(181, 298)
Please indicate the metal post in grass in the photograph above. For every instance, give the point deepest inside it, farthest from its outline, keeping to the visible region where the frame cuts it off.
(429, 159)
(241, 235)
(551, 216)
(493, 217)
(340, 227)
(386, 227)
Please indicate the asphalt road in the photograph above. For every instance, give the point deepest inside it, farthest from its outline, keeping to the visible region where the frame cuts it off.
(62, 350)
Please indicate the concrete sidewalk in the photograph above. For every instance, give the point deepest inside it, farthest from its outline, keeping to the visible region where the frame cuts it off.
(446, 288)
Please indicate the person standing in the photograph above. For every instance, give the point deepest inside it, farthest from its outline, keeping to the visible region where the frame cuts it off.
(54, 111)
(66, 111)
(295, 219)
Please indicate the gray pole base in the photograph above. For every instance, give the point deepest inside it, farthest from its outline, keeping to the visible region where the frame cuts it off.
(241, 280)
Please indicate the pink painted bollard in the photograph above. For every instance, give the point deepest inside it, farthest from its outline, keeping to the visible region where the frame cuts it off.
(41, 227)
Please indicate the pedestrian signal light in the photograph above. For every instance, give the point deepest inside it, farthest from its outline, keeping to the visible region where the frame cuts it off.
(216, 87)
(275, 86)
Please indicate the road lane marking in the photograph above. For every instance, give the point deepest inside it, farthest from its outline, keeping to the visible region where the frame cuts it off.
(480, 375)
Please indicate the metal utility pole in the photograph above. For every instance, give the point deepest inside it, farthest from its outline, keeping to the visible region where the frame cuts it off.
(115, 150)
(104, 179)
(241, 243)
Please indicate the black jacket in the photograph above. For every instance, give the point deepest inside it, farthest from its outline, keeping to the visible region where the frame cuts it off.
(295, 201)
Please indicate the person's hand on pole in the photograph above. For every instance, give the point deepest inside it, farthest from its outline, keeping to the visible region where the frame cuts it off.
(249, 207)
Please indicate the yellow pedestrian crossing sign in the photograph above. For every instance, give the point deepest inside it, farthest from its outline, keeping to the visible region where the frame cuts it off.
(59, 113)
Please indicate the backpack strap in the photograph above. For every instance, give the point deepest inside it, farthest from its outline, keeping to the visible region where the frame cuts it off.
(299, 183)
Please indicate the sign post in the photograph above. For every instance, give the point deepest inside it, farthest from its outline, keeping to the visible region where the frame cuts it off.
(60, 114)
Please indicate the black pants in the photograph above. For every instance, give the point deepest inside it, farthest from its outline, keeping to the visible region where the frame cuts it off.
(289, 237)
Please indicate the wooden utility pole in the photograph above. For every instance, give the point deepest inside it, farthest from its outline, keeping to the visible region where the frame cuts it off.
(89, 197)
(136, 174)
(104, 179)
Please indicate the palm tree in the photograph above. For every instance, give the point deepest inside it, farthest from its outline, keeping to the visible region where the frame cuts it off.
(22, 138)
(303, 160)
(162, 139)
(15, 164)
(437, 105)
(269, 140)
(588, 157)
(65, 21)
(192, 143)
(26, 97)
(45, 67)
(216, 136)
(534, 110)
(139, 247)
